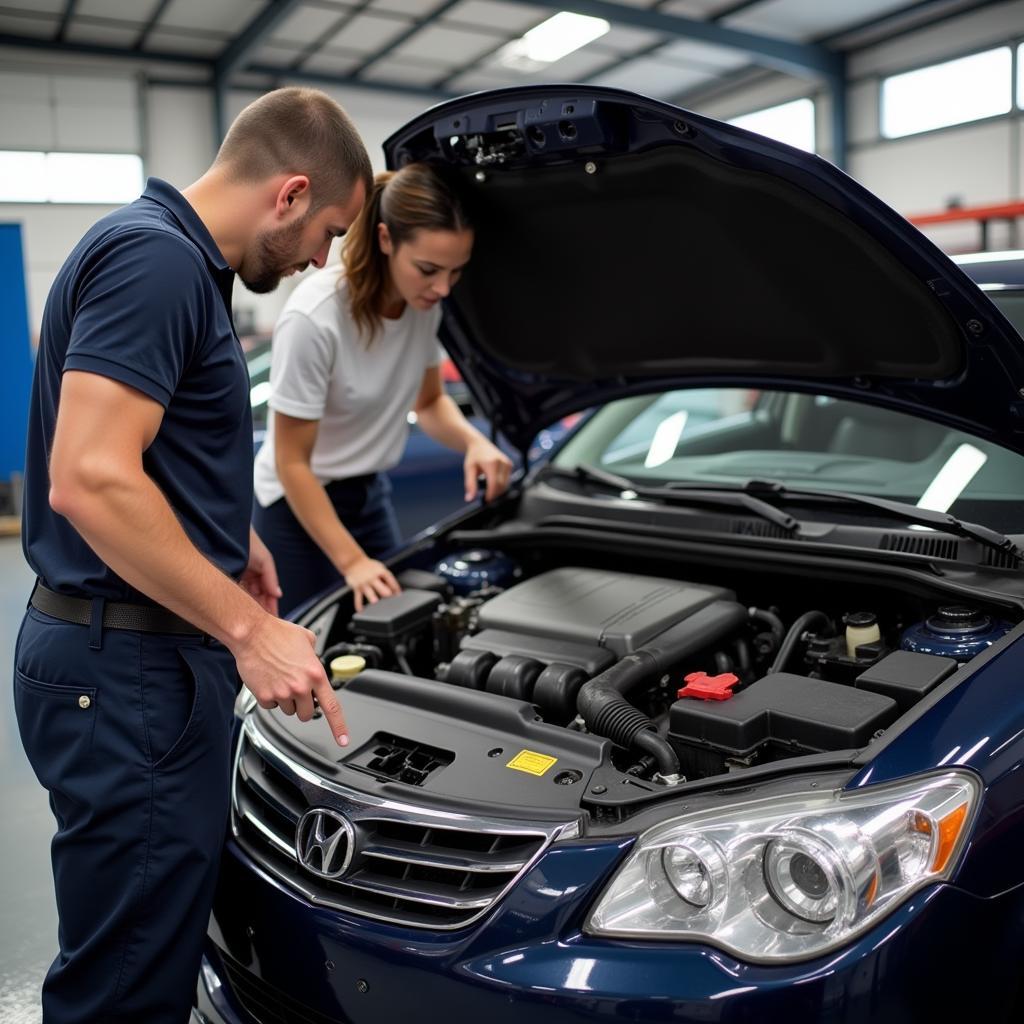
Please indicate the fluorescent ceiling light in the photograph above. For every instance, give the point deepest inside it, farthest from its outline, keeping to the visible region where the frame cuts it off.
(551, 40)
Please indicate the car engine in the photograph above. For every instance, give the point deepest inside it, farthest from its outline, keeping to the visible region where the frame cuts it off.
(683, 678)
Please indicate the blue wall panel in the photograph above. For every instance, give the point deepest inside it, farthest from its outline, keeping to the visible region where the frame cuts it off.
(15, 353)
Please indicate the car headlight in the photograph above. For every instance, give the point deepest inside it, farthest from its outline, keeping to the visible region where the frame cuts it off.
(789, 877)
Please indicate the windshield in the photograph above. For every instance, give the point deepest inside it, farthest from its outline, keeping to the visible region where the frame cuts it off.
(728, 436)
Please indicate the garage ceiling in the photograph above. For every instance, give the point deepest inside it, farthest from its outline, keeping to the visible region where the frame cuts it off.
(433, 48)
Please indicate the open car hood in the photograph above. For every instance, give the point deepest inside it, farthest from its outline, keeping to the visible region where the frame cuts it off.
(625, 245)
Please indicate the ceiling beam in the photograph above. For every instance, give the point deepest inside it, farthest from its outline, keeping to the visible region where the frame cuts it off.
(65, 19)
(618, 61)
(98, 50)
(349, 82)
(157, 14)
(804, 59)
(407, 34)
(737, 8)
(237, 53)
(944, 13)
(343, 20)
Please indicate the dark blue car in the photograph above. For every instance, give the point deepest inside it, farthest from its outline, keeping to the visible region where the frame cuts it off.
(718, 715)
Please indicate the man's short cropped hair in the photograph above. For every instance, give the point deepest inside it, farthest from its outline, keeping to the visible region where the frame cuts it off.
(298, 131)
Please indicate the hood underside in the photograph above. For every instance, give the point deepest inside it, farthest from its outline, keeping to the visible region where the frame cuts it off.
(624, 245)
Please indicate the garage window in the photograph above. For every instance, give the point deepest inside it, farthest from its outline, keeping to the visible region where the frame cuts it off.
(34, 177)
(957, 91)
(792, 123)
(69, 138)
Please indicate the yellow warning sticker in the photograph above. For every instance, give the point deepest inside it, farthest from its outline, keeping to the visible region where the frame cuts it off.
(531, 762)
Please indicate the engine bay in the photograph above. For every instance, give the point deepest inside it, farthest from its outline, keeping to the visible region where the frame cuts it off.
(688, 679)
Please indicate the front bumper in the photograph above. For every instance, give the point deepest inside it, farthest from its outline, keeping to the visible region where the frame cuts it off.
(273, 958)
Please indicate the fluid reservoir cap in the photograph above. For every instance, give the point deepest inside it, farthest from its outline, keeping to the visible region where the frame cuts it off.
(958, 619)
(860, 620)
(476, 568)
(346, 667)
(704, 687)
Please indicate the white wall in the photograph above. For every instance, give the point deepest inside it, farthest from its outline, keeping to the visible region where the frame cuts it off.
(110, 106)
(975, 164)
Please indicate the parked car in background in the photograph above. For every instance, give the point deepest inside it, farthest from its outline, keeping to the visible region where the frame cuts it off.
(717, 715)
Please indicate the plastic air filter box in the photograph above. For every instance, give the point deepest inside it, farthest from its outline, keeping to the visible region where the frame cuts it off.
(617, 611)
(781, 715)
(394, 618)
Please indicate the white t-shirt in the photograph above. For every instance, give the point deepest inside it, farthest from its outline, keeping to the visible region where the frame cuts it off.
(321, 369)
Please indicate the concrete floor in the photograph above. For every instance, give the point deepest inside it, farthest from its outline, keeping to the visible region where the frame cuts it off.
(28, 932)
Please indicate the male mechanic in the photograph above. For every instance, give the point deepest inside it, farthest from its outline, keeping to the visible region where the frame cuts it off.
(154, 595)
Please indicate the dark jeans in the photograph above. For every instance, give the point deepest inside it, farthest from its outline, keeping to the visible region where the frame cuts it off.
(364, 507)
(132, 743)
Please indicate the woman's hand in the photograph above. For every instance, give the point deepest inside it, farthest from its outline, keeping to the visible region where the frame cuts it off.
(370, 580)
(482, 457)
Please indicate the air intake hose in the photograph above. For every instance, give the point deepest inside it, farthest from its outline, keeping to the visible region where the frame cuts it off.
(602, 702)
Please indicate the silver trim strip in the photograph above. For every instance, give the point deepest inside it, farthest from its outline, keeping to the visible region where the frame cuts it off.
(448, 863)
(269, 833)
(437, 900)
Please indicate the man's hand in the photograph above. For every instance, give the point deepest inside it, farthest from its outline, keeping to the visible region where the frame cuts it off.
(370, 580)
(484, 458)
(260, 577)
(277, 663)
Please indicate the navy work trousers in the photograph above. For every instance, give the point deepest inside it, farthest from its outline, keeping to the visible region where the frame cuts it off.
(363, 505)
(131, 740)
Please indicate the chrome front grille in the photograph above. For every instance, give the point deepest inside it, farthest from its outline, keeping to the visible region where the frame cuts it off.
(412, 865)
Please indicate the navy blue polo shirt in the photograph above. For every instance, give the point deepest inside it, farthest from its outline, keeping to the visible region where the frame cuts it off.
(145, 299)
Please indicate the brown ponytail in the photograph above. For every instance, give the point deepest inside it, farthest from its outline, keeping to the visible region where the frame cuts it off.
(418, 197)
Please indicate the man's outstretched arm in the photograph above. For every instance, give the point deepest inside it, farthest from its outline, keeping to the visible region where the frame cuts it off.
(97, 482)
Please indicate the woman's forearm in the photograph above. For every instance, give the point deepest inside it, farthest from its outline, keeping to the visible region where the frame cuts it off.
(443, 421)
(312, 507)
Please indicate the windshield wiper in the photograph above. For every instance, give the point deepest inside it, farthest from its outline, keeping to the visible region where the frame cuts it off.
(680, 495)
(896, 509)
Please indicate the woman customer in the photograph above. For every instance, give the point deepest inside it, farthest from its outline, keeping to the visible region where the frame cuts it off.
(353, 352)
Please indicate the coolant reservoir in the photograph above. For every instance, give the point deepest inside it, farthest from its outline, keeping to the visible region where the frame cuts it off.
(861, 628)
(345, 667)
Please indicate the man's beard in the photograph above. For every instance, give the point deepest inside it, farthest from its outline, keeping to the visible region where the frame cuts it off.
(273, 253)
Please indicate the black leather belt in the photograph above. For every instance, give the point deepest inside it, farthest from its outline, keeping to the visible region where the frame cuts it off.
(116, 614)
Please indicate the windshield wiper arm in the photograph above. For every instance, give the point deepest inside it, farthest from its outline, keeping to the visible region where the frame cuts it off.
(674, 494)
(897, 509)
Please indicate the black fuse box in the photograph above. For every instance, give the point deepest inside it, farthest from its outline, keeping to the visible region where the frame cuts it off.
(392, 619)
(779, 716)
(906, 676)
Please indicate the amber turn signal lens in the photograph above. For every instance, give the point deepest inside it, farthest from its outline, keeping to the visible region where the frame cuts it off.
(949, 832)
